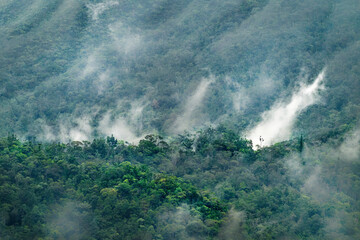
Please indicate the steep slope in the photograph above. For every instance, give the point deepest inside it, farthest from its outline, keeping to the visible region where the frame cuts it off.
(75, 70)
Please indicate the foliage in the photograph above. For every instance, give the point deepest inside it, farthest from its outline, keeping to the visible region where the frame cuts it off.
(48, 192)
(75, 70)
(154, 54)
(112, 190)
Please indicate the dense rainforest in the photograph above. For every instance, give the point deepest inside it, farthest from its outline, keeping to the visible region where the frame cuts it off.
(208, 185)
(188, 119)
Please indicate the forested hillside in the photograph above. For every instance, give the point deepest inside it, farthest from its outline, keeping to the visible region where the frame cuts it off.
(211, 185)
(189, 119)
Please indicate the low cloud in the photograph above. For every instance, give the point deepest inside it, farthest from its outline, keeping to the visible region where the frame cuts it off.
(136, 115)
(67, 130)
(71, 220)
(315, 186)
(91, 65)
(183, 223)
(350, 148)
(319, 171)
(125, 39)
(118, 127)
(99, 8)
(277, 123)
(244, 97)
(233, 226)
(102, 82)
(240, 96)
(195, 101)
(126, 127)
(83, 130)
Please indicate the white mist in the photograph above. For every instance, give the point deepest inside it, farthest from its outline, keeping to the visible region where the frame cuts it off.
(187, 119)
(277, 123)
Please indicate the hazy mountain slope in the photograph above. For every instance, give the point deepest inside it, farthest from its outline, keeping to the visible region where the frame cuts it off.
(66, 65)
(278, 80)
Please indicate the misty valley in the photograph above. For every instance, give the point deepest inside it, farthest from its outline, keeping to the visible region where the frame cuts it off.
(189, 119)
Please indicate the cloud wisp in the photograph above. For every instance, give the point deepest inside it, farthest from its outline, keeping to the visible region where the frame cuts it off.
(78, 129)
(117, 127)
(99, 8)
(350, 148)
(187, 119)
(277, 123)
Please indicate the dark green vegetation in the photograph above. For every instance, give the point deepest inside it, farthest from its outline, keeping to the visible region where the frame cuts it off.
(106, 189)
(81, 70)
(76, 191)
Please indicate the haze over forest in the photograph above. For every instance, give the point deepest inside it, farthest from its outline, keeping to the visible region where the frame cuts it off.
(184, 119)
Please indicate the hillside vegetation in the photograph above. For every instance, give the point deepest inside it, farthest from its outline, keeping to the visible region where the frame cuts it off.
(211, 185)
(188, 119)
(94, 65)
